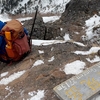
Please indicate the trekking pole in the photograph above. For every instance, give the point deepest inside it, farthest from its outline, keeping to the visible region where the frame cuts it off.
(34, 19)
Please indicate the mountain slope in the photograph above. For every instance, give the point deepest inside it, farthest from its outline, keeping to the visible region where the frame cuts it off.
(28, 6)
(51, 62)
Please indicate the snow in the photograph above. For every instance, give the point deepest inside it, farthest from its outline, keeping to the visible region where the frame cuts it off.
(45, 3)
(45, 6)
(4, 17)
(79, 43)
(51, 59)
(91, 51)
(46, 42)
(93, 21)
(66, 37)
(11, 78)
(38, 62)
(52, 48)
(50, 18)
(61, 29)
(36, 95)
(40, 51)
(23, 3)
(90, 24)
(23, 19)
(75, 67)
(96, 59)
(4, 74)
(9, 93)
(76, 32)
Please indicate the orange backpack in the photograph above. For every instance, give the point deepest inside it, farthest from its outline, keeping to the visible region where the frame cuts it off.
(17, 43)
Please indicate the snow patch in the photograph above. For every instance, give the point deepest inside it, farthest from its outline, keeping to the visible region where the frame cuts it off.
(66, 37)
(93, 21)
(52, 48)
(36, 95)
(96, 59)
(4, 17)
(4, 74)
(75, 67)
(61, 29)
(80, 44)
(23, 19)
(76, 32)
(46, 42)
(90, 24)
(10, 92)
(40, 51)
(50, 18)
(51, 59)
(11, 78)
(92, 50)
(38, 62)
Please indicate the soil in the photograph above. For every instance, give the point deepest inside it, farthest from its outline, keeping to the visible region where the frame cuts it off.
(42, 77)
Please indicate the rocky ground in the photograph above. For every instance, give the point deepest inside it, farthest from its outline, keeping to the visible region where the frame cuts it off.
(49, 74)
(41, 77)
